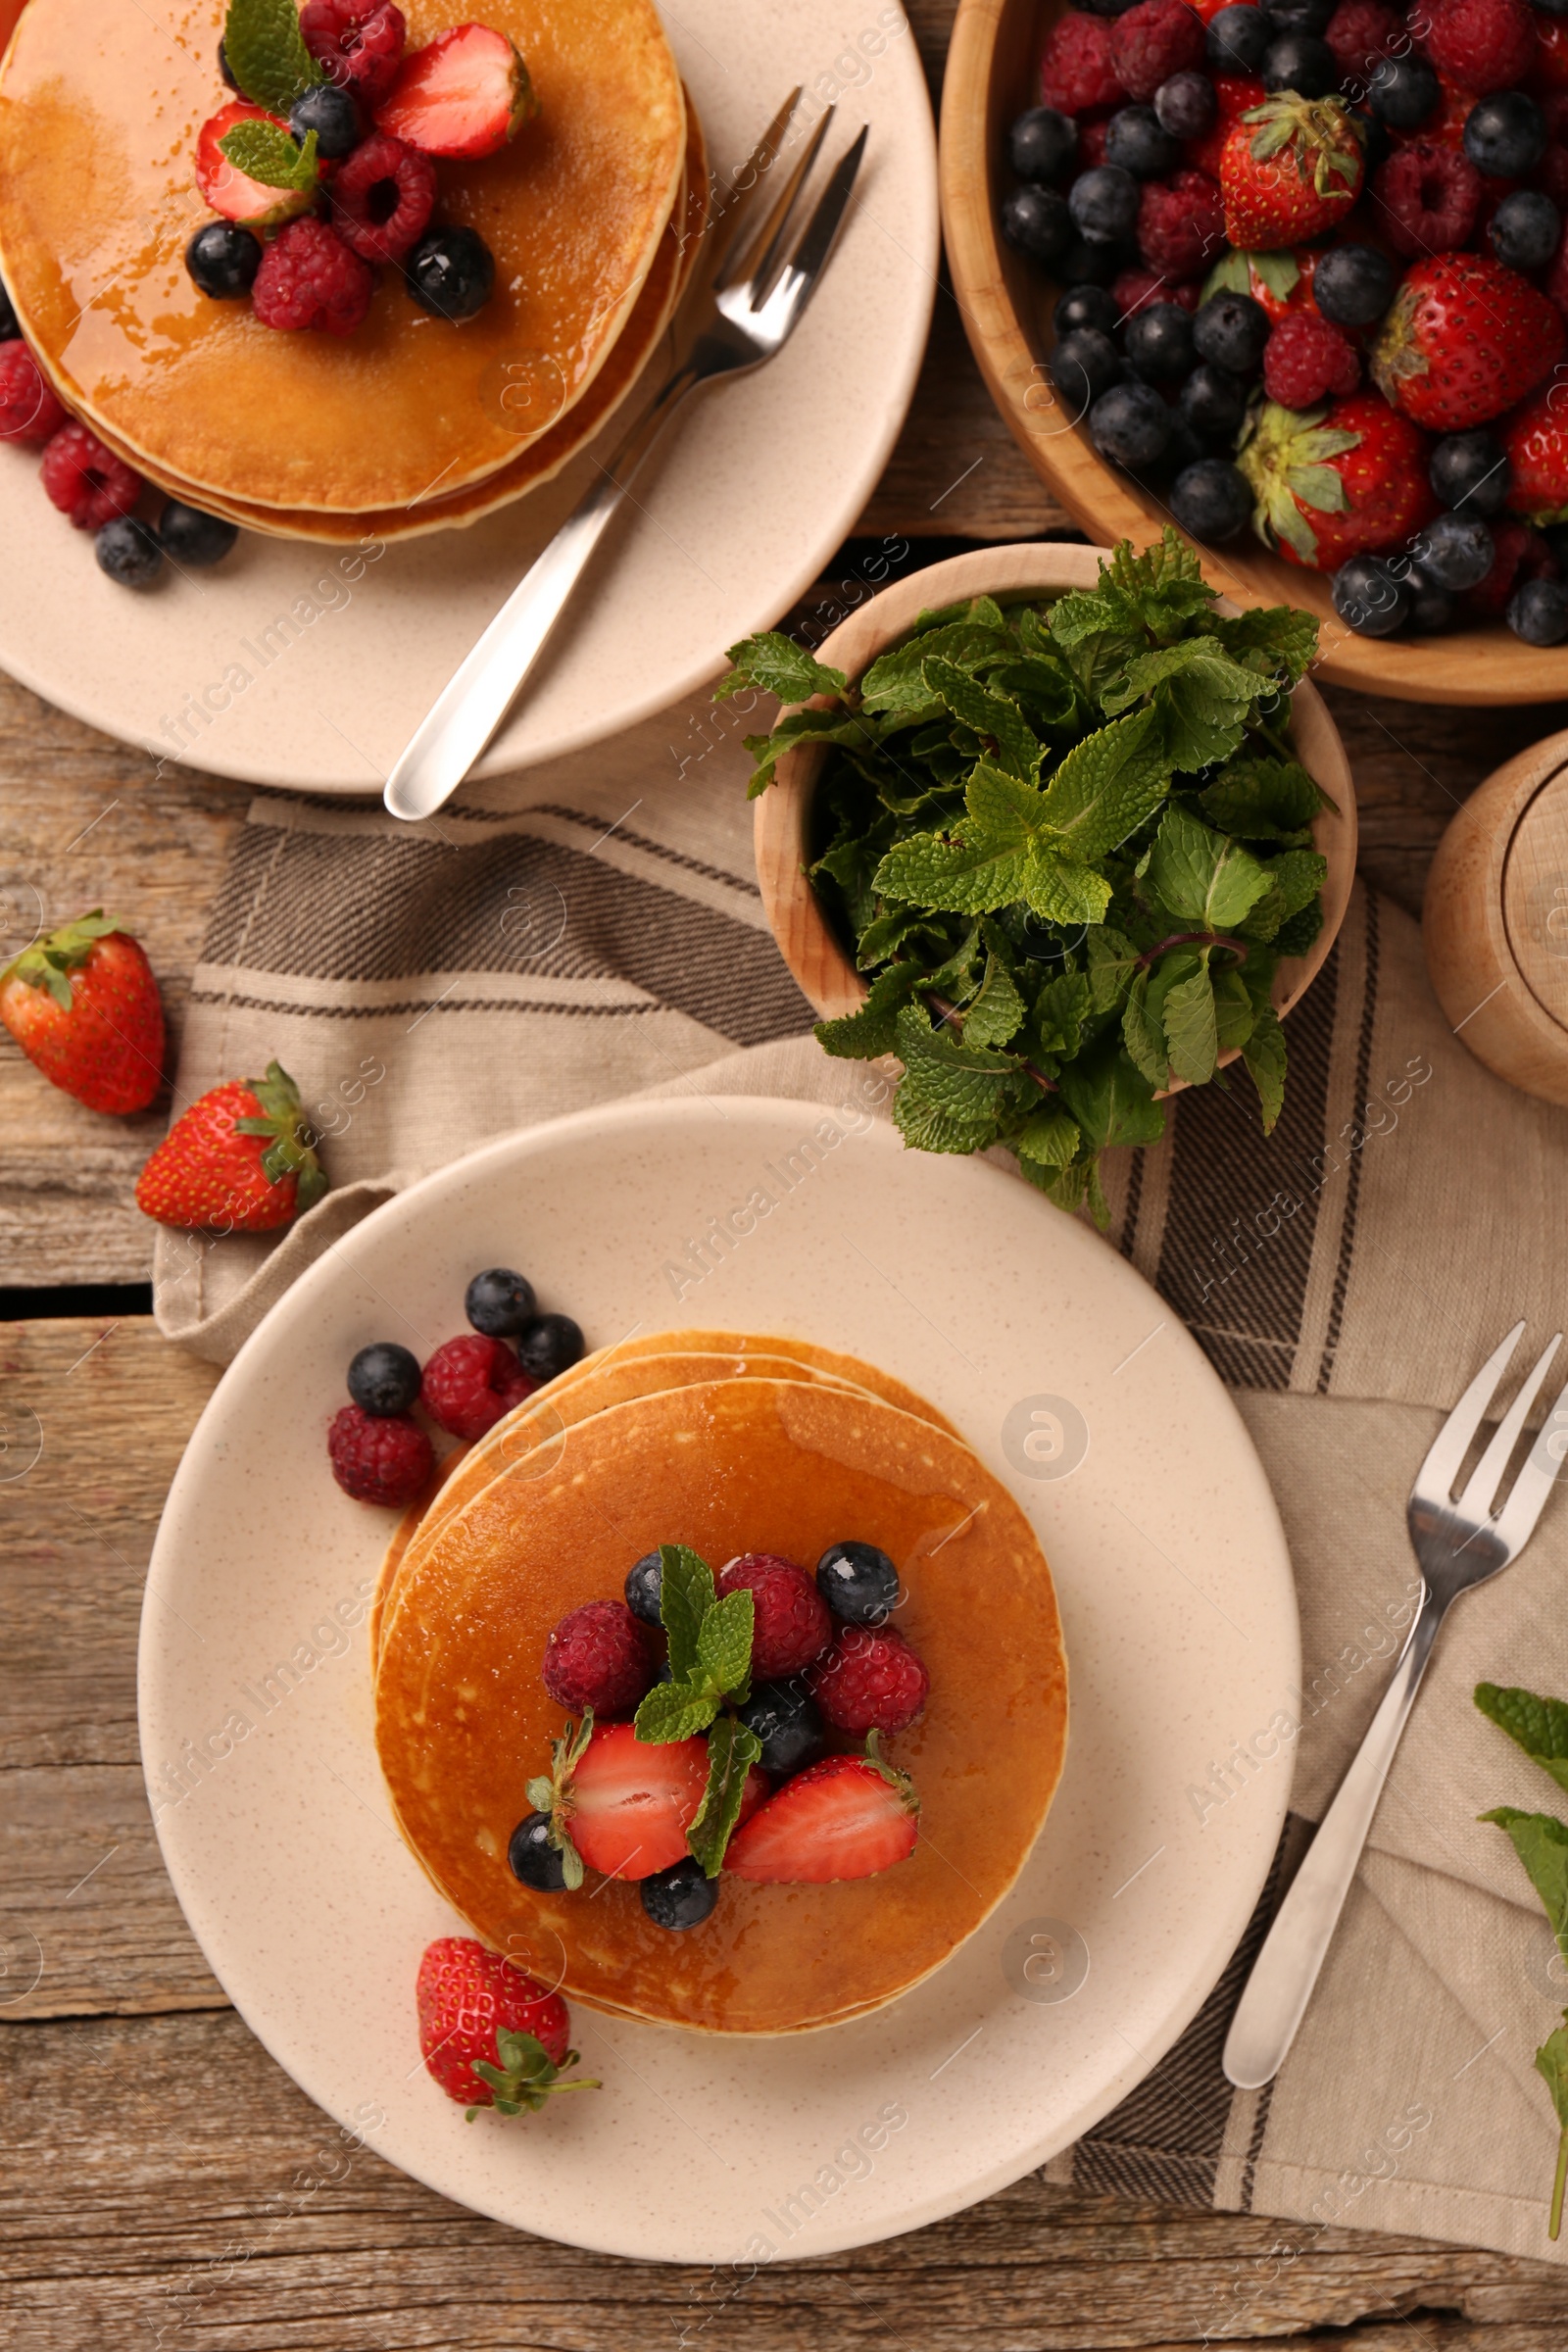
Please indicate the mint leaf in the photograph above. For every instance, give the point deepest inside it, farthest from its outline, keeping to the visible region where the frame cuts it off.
(1539, 1726)
(798, 728)
(686, 1595)
(925, 1128)
(996, 1012)
(269, 60)
(1275, 635)
(724, 1645)
(996, 718)
(675, 1710)
(1201, 877)
(265, 152)
(1552, 2065)
(1144, 1036)
(732, 1749)
(1048, 1138)
(776, 664)
(1264, 1057)
(1111, 1099)
(1191, 1033)
(1060, 1010)
(948, 1074)
(862, 1036)
(894, 682)
(954, 877)
(1202, 701)
(1113, 963)
(1234, 1013)
(1541, 1843)
(1164, 584)
(1106, 786)
(1262, 799)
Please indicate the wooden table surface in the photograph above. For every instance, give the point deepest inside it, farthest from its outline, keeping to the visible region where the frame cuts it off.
(162, 2177)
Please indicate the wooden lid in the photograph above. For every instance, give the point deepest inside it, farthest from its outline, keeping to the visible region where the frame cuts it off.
(1535, 898)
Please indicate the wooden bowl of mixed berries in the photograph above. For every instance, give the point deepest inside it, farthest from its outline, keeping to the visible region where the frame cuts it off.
(1294, 277)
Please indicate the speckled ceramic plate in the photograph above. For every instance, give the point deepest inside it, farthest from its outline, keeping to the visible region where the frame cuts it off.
(1073, 1384)
(310, 667)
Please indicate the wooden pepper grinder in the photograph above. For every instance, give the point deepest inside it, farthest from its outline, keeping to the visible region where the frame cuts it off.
(1496, 923)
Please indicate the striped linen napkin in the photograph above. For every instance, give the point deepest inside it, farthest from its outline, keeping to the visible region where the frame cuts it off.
(592, 929)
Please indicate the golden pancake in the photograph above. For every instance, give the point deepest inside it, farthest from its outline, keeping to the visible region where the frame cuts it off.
(99, 114)
(462, 1719)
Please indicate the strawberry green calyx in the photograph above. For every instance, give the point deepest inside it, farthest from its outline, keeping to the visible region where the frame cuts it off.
(526, 2074)
(291, 1149)
(1322, 138)
(894, 1778)
(550, 1792)
(1284, 459)
(49, 962)
(1396, 357)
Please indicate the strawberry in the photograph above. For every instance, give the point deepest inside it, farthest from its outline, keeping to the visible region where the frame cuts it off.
(1463, 340)
(1536, 438)
(1339, 482)
(228, 191)
(1289, 170)
(846, 1818)
(491, 2037)
(240, 1159)
(465, 93)
(83, 1006)
(624, 1804)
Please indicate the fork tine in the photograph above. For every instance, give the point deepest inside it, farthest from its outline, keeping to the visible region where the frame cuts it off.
(757, 259)
(1536, 1480)
(745, 190)
(1453, 1440)
(816, 242)
(1477, 1499)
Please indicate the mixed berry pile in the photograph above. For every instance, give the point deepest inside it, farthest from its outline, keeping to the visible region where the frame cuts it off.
(1315, 284)
(380, 1454)
(771, 1664)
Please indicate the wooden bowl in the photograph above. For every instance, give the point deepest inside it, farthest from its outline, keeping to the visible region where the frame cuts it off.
(1495, 922)
(783, 820)
(1006, 302)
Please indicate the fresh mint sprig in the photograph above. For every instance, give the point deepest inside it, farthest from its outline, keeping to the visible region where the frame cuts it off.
(264, 152)
(711, 1675)
(268, 57)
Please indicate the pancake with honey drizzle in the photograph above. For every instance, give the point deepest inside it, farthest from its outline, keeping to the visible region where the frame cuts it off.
(464, 1722)
(99, 113)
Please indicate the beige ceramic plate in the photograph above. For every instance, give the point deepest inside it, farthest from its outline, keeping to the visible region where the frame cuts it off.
(1064, 1372)
(298, 664)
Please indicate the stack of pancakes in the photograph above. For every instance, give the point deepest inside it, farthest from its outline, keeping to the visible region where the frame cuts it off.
(412, 424)
(726, 1443)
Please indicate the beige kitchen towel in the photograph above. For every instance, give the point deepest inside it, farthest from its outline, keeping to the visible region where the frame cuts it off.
(593, 930)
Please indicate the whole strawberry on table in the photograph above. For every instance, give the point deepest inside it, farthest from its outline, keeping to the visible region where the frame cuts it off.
(1315, 284)
(82, 1004)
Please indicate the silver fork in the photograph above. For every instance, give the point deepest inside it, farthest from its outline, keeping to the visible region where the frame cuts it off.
(1458, 1544)
(740, 311)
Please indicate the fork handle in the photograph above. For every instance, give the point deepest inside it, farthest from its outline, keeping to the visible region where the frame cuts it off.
(1293, 1951)
(472, 705)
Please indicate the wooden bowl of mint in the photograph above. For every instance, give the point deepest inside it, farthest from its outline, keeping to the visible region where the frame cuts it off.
(1049, 969)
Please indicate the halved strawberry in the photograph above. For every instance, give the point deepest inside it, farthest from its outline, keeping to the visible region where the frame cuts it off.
(631, 1800)
(228, 191)
(846, 1818)
(465, 93)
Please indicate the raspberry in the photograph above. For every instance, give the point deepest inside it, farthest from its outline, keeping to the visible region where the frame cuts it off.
(309, 277)
(382, 198)
(596, 1659)
(1484, 45)
(1430, 197)
(1153, 41)
(29, 410)
(1359, 33)
(1181, 222)
(1135, 289)
(383, 1459)
(791, 1625)
(1075, 70)
(85, 480)
(360, 42)
(870, 1680)
(470, 1382)
(1091, 149)
(1305, 359)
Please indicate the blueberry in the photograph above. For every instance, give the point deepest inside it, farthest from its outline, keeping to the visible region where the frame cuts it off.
(1300, 62)
(1455, 550)
(1086, 264)
(1505, 134)
(451, 273)
(1432, 608)
(333, 116)
(1538, 612)
(859, 1583)
(1470, 471)
(1084, 365)
(1368, 598)
(384, 1378)
(550, 1345)
(1185, 448)
(499, 1303)
(1160, 343)
(681, 1897)
(645, 1587)
(1231, 331)
(1353, 285)
(1401, 91)
(1087, 305)
(784, 1717)
(129, 552)
(1137, 142)
(9, 330)
(1300, 15)
(1041, 143)
(1186, 105)
(532, 1858)
(1237, 39)
(1103, 203)
(1211, 499)
(1524, 229)
(1037, 220)
(225, 69)
(222, 259)
(1131, 424)
(1213, 403)
(194, 539)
